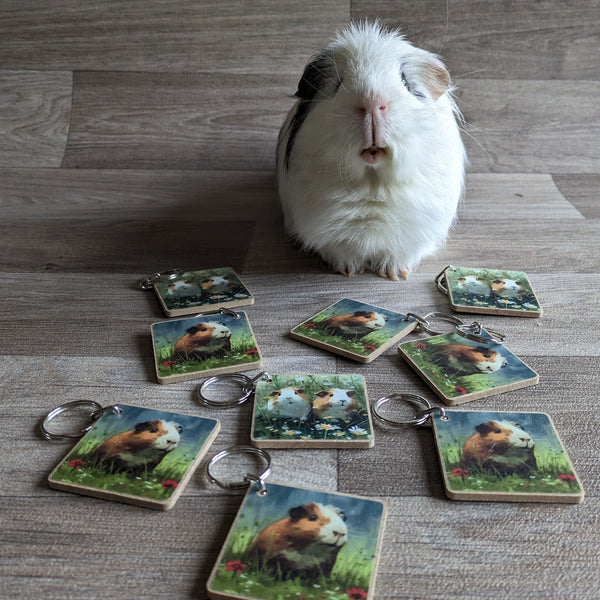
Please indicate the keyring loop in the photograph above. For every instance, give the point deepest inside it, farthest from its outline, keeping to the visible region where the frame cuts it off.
(441, 281)
(418, 420)
(248, 479)
(424, 323)
(148, 282)
(247, 388)
(220, 311)
(96, 413)
(464, 330)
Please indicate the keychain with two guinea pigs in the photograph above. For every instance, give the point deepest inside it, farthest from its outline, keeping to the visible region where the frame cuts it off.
(293, 537)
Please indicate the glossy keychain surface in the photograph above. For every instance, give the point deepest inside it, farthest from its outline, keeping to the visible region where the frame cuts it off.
(300, 411)
(353, 329)
(292, 541)
(493, 455)
(468, 363)
(491, 291)
(130, 454)
(188, 292)
(207, 344)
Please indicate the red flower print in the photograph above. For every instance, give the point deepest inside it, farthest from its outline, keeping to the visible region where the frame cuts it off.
(460, 389)
(310, 326)
(236, 566)
(356, 594)
(458, 472)
(369, 347)
(169, 363)
(420, 346)
(251, 352)
(169, 484)
(76, 463)
(566, 478)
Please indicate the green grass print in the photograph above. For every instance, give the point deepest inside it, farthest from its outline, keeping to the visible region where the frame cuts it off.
(362, 346)
(554, 473)
(158, 484)
(525, 302)
(237, 575)
(313, 428)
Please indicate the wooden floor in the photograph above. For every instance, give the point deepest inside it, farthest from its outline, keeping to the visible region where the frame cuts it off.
(140, 136)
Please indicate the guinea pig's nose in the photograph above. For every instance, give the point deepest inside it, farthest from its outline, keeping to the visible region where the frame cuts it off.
(371, 107)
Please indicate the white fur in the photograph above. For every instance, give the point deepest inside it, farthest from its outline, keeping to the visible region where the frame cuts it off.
(388, 215)
(289, 405)
(518, 438)
(474, 285)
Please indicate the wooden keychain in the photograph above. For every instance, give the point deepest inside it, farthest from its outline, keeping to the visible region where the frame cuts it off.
(300, 411)
(494, 455)
(187, 292)
(353, 329)
(492, 291)
(130, 454)
(204, 345)
(288, 541)
(468, 363)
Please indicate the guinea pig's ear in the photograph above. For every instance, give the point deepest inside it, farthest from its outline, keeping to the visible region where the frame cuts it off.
(316, 75)
(484, 428)
(143, 426)
(298, 512)
(428, 70)
(322, 394)
(341, 514)
(363, 313)
(299, 391)
(350, 393)
(192, 330)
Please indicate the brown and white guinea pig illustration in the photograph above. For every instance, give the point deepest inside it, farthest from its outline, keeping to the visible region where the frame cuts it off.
(215, 283)
(508, 288)
(370, 161)
(203, 340)
(467, 360)
(359, 323)
(335, 404)
(183, 289)
(470, 284)
(502, 447)
(305, 544)
(288, 403)
(139, 449)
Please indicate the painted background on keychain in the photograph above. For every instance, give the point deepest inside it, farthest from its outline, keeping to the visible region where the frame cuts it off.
(298, 416)
(238, 573)
(454, 373)
(82, 468)
(533, 462)
(496, 290)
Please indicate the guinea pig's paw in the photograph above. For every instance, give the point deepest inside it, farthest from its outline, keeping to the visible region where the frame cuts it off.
(394, 273)
(345, 269)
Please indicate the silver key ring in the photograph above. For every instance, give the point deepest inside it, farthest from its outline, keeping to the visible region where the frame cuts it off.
(425, 326)
(220, 311)
(247, 385)
(97, 411)
(248, 479)
(150, 280)
(441, 281)
(419, 419)
(473, 332)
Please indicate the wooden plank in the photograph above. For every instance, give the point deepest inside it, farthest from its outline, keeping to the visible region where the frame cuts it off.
(171, 37)
(514, 40)
(583, 191)
(34, 117)
(177, 121)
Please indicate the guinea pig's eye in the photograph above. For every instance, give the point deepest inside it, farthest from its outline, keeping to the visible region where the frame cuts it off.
(313, 518)
(497, 431)
(154, 430)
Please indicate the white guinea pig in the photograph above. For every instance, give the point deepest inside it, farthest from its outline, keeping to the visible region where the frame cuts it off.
(473, 285)
(370, 161)
(289, 403)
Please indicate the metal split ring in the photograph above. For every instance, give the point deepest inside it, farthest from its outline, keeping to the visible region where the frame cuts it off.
(97, 411)
(426, 326)
(220, 311)
(441, 281)
(148, 282)
(247, 385)
(419, 419)
(474, 332)
(248, 479)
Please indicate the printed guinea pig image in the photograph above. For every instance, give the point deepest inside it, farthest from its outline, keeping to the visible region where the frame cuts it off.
(289, 403)
(370, 161)
(205, 339)
(139, 449)
(356, 324)
(335, 403)
(467, 360)
(299, 543)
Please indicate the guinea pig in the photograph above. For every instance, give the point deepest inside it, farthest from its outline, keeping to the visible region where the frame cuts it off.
(183, 289)
(215, 282)
(359, 323)
(502, 447)
(467, 360)
(204, 340)
(289, 403)
(370, 161)
(335, 404)
(508, 288)
(305, 544)
(139, 449)
(471, 284)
